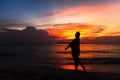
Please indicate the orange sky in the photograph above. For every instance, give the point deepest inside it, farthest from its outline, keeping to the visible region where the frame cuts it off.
(90, 20)
(63, 18)
(67, 31)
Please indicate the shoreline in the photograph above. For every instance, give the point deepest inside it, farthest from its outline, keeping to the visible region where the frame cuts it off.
(28, 72)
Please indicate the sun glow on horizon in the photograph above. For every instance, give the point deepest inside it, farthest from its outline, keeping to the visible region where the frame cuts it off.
(67, 34)
(67, 31)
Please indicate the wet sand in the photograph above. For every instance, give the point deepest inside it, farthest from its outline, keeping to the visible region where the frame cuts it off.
(28, 72)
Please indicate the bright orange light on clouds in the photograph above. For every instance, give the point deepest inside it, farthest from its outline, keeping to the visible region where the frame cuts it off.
(67, 31)
(63, 34)
(69, 34)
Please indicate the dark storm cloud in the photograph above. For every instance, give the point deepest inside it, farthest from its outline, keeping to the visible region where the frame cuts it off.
(27, 36)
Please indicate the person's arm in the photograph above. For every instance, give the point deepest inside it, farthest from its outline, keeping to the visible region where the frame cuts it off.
(69, 45)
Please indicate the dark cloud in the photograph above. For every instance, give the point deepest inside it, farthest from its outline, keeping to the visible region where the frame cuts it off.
(102, 40)
(6, 23)
(27, 36)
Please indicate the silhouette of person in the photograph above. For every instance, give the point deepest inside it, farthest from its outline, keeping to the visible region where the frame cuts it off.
(75, 50)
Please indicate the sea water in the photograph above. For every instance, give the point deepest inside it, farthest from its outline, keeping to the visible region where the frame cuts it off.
(95, 57)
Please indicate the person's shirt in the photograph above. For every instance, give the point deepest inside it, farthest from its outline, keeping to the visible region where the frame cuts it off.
(75, 45)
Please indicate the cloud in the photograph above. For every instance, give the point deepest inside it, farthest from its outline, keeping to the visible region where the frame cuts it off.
(9, 23)
(27, 36)
(67, 31)
(95, 14)
(98, 29)
(102, 40)
(82, 9)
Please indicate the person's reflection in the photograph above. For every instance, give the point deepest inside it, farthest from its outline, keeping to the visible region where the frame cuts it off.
(75, 47)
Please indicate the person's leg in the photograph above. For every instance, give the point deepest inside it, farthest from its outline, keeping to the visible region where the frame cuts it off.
(75, 62)
(76, 65)
(82, 65)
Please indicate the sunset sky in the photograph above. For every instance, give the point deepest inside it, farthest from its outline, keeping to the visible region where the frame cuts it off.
(62, 18)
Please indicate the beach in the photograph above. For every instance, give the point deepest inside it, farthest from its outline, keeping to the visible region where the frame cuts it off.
(52, 62)
(59, 40)
(30, 72)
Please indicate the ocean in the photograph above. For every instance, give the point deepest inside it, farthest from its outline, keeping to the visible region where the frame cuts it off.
(95, 57)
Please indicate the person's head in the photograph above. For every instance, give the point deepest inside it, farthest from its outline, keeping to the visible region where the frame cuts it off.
(77, 34)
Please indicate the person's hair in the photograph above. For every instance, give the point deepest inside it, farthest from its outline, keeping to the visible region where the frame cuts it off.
(77, 34)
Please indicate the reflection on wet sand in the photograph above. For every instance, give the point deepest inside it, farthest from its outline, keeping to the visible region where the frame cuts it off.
(95, 68)
(70, 67)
